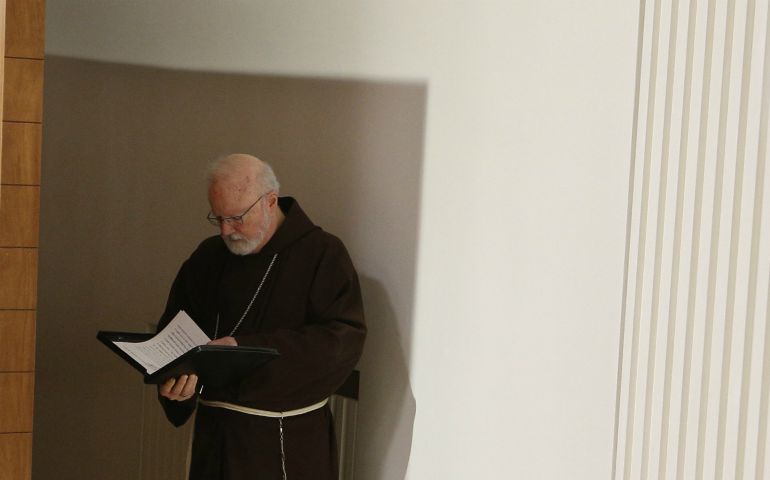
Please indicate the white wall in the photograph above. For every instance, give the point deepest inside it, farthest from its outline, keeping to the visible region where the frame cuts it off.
(513, 348)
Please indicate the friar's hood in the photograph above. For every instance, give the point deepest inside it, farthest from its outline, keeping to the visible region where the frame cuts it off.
(295, 226)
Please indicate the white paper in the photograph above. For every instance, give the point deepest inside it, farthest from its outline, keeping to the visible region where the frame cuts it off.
(176, 339)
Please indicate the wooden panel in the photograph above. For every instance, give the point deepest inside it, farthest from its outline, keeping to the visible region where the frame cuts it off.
(19, 216)
(17, 340)
(18, 269)
(2, 73)
(21, 153)
(23, 90)
(21, 86)
(16, 456)
(24, 28)
(16, 401)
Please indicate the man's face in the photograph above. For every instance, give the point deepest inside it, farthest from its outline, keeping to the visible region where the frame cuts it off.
(249, 237)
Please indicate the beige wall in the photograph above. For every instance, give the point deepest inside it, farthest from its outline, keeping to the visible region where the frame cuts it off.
(125, 157)
(521, 210)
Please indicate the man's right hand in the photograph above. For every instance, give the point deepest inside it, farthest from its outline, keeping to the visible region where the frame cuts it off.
(179, 389)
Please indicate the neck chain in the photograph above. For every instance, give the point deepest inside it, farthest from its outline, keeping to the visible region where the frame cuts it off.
(248, 307)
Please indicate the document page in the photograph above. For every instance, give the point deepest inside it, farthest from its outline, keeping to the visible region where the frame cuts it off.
(175, 340)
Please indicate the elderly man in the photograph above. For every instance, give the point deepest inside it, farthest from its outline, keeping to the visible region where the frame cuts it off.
(273, 279)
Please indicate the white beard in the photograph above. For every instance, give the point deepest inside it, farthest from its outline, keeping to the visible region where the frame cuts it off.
(240, 245)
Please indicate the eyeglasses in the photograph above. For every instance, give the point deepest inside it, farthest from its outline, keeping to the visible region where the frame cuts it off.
(217, 220)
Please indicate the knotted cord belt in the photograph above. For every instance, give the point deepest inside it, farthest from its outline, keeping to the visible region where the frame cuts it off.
(269, 414)
(263, 413)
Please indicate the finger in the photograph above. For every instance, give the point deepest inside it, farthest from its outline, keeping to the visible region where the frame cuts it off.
(179, 385)
(227, 341)
(189, 388)
(165, 389)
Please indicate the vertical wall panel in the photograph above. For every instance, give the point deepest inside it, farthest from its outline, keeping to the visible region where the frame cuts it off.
(693, 389)
(21, 153)
(19, 216)
(18, 271)
(21, 82)
(15, 456)
(24, 33)
(17, 341)
(24, 77)
(16, 394)
(2, 74)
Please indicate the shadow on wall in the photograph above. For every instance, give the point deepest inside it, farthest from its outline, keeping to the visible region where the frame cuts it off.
(386, 395)
(123, 204)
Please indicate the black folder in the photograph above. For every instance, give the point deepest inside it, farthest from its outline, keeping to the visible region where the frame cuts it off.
(215, 365)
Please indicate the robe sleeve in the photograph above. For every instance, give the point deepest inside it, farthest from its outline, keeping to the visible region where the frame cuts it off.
(317, 357)
(181, 298)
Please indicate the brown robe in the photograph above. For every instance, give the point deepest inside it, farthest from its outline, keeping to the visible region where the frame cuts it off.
(310, 310)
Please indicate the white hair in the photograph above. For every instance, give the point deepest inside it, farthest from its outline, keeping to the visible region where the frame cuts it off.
(226, 165)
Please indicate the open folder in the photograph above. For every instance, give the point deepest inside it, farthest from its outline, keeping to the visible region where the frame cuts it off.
(180, 349)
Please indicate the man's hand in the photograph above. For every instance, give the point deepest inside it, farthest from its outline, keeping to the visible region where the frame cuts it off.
(179, 389)
(183, 388)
